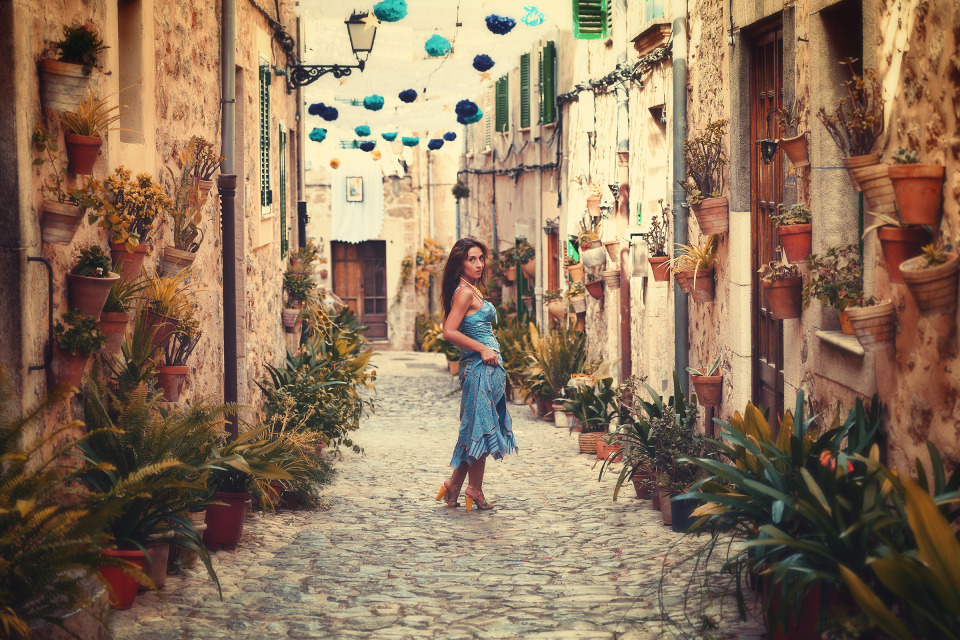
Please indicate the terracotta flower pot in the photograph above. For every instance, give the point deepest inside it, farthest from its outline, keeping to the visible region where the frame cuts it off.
(204, 186)
(176, 260)
(156, 566)
(88, 294)
(917, 189)
(845, 326)
(874, 326)
(802, 625)
(712, 215)
(290, 315)
(783, 297)
(453, 366)
(82, 152)
(529, 268)
(934, 288)
(796, 240)
(123, 587)
(604, 450)
(899, 244)
(611, 278)
(557, 309)
(511, 274)
(588, 442)
(874, 181)
(114, 325)
(796, 150)
(709, 389)
(545, 409)
(661, 272)
(666, 512)
(641, 484)
(700, 287)
(164, 326)
(62, 84)
(575, 271)
(67, 368)
(127, 263)
(613, 249)
(59, 222)
(655, 496)
(595, 289)
(170, 378)
(225, 522)
(855, 162)
(593, 206)
(594, 258)
(579, 304)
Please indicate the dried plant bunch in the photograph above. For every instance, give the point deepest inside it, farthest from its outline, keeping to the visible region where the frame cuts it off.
(778, 270)
(656, 237)
(185, 209)
(705, 159)
(796, 213)
(695, 257)
(789, 120)
(93, 117)
(589, 231)
(857, 121)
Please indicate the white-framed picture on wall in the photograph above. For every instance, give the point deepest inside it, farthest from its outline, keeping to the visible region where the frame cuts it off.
(354, 189)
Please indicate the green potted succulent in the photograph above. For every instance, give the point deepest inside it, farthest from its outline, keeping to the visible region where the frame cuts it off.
(593, 403)
(90, 281)
(708, 382)
(66, 66)
(794, 230)
(781, 283)
(173, 372)
(932, 279)
(693, 266)
(656, 239)
(917, 188)
(75, 338)
(84, 129)
(298, 287)
(117, 310)
(705, 159)
(63, 209)
(576, 296)
(836, 280)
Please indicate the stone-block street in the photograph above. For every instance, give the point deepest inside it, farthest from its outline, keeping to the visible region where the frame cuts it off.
(557, 558)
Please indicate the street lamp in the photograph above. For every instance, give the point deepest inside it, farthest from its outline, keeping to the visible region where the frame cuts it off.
(361, 35)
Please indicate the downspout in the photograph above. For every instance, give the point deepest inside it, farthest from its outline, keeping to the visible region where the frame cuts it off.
(227, 184)
(681, 318)
(540, 279)
(433, 231)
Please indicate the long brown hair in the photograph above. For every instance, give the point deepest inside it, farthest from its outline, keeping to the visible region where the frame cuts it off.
(454, 268)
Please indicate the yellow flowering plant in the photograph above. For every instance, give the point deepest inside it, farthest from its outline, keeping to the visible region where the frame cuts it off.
(130, 207)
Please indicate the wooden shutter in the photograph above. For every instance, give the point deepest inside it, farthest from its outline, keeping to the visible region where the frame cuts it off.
(503, 104)
(592, 19)
(487, 120)
(282, 149)
(525, 90)
(266, 194)
(548, 84)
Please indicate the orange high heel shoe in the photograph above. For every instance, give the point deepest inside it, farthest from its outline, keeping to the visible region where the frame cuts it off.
(474, 496)
(447, 495)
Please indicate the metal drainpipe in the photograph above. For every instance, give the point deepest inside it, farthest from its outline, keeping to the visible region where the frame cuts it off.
(540, 279)
(681, 319)
(227, 184)
(433, 231)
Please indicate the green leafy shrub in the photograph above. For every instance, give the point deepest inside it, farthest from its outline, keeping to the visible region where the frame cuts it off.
(93, 263)
(298, 286)
(78, 333)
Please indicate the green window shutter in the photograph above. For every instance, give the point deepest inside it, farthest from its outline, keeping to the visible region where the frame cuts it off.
(548, 84)
(266, 195)
(282, 150)
(525, 90)
(503, 104)
(487, 121)
(592, 19)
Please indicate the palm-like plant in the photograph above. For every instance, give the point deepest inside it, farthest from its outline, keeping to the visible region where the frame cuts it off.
(695, 257)
(93, 117)
(551, 360)
(593, 403)
(514, 338)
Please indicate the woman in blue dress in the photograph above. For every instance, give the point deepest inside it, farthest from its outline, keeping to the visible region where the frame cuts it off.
(485, 426)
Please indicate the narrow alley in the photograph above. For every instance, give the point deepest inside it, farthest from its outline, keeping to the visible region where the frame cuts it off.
(557, 558)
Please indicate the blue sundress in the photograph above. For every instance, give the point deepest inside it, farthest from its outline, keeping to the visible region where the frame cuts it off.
(485, 425)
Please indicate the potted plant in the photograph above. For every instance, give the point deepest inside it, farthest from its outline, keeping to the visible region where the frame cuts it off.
(591, 249)
(184, 212)
(550, 361)
(836, 280)
(83, 132)
(206, 163)
(173, 372)
(708, 383)
(574, 269)
(794, 231)
(793, 144)
(857, 122)
(693, 267)
(575, 294)
(873, 322)
(594, 286)
(298, 287)
(90, 281)
(65, 78)
(705, 160)
(62, 209)
(525, 254)
(916, 188)
(676, 441)
(117, 311)
(508, 264)
(932, 279)
(556, 303)
(593, 197)
(898, 242)
(591, 400)
(611, 277)
(128, 212)
(781, 283)
(165, 300)
(75, 337)
(303, 258)
(656, 239)
(613, 249)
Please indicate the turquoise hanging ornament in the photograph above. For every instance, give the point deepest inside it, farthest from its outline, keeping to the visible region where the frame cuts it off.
(318, 134)
(533, 18)
(362, 131)
(390, 10)
(389, 137)
(411, 141)
(438, 46)
(373, 103)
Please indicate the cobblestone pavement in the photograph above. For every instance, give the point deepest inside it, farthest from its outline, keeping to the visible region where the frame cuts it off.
(556, 559)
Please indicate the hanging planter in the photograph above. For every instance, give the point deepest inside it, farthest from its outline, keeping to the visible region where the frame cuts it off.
(874, 325)
(899, 244)
(176, 260)
(579, 304)
(511, 274)
(225, 521)
(593, 205)
(783, 297)
(123, 587)
(857, 162)
(933, 287)
(290, 315)
(82, 152)
(575, 271)
(62, 84)
(709, 390)
(170, 378)
(874, 181)
(127, 263)
(797, 241)
(529, 268)
(114, 326)
(712, 215)
(660, 268)
(204, 187)
(453, 366)
(593, 256)
(917, 189)
(698, 284)
(611, 278)
(595, 289)
(88, 294)
(59, 222)
(796, 150)
(613, 249)
(67, 368)
(557, 309)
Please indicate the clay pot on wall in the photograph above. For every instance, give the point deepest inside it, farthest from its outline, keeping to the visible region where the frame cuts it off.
(594, 257)
(611, 278)
(529, 268)
(511, 273)
(917, 189)
(123, 588)
(874, 326)
(712, 215)
(59, 222)
(67, 368)
(855, 162)
(709, 389)
(933, 288)
(593, 206)
(127, 263)
(613, 249)
(62, 84)
(82, 152)
(579, 304)
(783, 297)
(575, 271)
(797, 242)
(700, 286)
(88, 294)
(874, 181)
(899, 244)
(176, 260)
(114, 326)
(203, 186)
(170, 378)
(642, 480)
(290, 316)
(661, 271)
(557, 309)
(595, 289)
(796, 150)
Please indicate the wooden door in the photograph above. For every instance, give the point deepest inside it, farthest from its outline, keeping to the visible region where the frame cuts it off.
(766, 192)
(360, 279)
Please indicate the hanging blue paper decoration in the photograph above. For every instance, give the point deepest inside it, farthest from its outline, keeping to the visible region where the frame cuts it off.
(373, 103)
(389, 137)
(329, 114)
(438, 46)
(318, 134)
(483, 62)
(435, 144)
(362, 131)
(408, 95)
(500, 25)
(468, 112)
(411, 141)
(534, 17)
(449, 136)
(316, 109)
(390, 10)
(366, 145)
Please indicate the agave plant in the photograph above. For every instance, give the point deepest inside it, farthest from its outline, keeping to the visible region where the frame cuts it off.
(551, 361)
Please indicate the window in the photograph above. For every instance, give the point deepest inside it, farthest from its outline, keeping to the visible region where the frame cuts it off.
(548, 84)
(525, 90)
(592, 19)
(503, 104)
(266, 194)
(653, 9)
(130, 71)
(487, 120)
(282, 150)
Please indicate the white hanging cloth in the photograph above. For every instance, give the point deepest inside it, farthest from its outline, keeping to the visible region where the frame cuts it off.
(356, 191)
